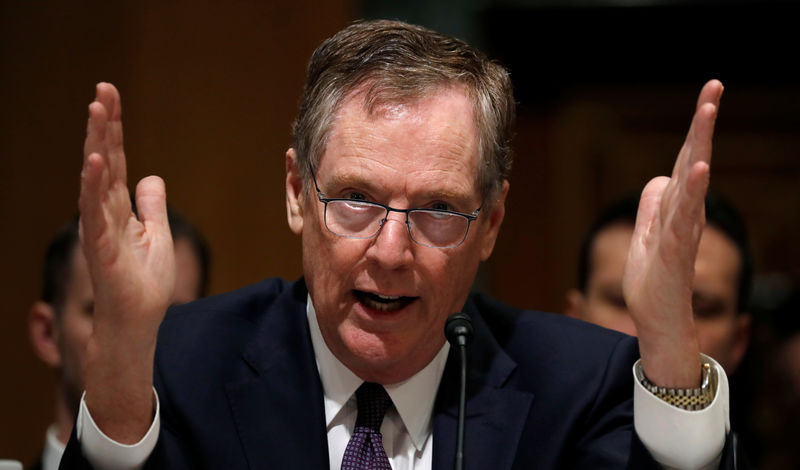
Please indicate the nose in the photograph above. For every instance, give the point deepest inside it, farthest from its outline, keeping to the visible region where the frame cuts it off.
(392, 246)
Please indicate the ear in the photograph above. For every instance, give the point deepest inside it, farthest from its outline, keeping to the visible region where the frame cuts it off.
(574, 304)
(294, 193)
(741, 339)
(43, 331)
(495, 219)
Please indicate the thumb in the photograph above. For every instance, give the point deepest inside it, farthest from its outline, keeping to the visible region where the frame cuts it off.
(649, 205)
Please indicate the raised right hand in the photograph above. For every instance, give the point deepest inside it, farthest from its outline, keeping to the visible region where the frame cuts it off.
(131, 262)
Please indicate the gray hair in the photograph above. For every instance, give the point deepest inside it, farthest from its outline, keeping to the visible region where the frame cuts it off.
(399, 62)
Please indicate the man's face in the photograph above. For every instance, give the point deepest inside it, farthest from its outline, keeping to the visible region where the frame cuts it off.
(382, 302)
(74, 327)
(187, 272)
(721, 331)
(74, 323)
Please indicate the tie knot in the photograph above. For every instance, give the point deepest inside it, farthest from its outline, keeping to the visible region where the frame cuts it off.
(373, 401)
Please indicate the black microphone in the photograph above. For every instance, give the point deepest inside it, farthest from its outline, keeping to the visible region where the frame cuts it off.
(458, 331)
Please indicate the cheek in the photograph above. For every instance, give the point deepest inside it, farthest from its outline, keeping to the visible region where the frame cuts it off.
(713, 335)
(76, 332)
(447, 277)
(329, 264)
(81, 331)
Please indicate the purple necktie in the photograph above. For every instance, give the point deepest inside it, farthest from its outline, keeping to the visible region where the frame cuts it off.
(365, 450)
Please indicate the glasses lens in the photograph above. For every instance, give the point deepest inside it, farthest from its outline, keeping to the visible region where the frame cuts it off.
(437, 229)
(354, 219)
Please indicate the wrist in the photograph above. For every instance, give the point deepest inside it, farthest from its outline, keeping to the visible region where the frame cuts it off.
(670, 356)
(119, 387)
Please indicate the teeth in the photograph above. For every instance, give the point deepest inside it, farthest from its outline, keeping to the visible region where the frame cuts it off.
(384, 303)
(387, 297)
(383, 306)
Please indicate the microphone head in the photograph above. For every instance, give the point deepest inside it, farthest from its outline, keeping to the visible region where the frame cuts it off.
(458, 329)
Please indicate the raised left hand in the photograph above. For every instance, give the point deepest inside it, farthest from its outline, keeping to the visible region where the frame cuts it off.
(660, 267)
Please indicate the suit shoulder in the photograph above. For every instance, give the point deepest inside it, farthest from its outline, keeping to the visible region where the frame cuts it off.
(242, 301)
(240, 309)
(529, 335)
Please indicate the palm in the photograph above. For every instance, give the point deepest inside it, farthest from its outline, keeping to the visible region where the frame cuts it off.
(131, 260)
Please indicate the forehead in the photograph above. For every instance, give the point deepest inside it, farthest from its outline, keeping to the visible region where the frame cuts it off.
(717, 257)
(430, 141)
(610, 246)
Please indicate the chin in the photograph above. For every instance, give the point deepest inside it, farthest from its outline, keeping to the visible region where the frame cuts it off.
(373, 356)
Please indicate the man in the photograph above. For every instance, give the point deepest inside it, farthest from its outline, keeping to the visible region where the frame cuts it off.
(722, 275)
(60, 324)
(396, 182)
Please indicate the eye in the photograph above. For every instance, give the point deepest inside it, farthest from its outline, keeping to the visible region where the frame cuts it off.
(442, 206)
(707, 307)
(356, 196)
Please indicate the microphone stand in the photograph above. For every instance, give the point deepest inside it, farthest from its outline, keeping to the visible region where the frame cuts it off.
(458, 331)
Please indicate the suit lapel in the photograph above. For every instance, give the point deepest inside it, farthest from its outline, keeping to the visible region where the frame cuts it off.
(279, 412)
(495, 411)
(280, 416)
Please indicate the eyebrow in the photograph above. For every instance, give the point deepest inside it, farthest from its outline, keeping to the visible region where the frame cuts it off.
(355, 179)
(340, 180)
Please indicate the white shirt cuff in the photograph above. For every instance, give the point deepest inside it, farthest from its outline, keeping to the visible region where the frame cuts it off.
(105, 453)
(679, 438)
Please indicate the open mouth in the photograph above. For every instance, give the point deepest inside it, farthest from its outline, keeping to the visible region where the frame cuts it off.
(383, 303)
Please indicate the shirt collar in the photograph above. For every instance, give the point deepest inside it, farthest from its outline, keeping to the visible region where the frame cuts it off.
(413, 398)
(53, 449)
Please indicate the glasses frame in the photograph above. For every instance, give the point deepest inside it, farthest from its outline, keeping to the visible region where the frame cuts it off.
(325, 200)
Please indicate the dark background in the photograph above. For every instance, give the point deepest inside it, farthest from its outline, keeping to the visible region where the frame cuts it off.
(606, 92)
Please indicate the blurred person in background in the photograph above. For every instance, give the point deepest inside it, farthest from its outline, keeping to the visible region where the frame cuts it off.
(722, 278)
(60, 323)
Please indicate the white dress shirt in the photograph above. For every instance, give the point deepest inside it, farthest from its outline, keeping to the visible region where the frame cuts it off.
(53, 449)
(406, 429)
(676, 438)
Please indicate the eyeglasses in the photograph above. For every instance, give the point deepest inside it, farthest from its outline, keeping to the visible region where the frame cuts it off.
(435, 228)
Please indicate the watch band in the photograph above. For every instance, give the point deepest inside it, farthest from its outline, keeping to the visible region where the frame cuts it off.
(692, 399)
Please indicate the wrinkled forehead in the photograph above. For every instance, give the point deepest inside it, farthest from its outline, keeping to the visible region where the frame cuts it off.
(435, 131)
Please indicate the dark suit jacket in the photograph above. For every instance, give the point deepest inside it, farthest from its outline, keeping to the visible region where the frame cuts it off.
(239, 389)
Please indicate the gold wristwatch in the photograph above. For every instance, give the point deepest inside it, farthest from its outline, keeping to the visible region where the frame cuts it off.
(692, 399)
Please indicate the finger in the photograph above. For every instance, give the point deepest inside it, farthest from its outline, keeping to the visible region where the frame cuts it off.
(151, 201)
(688, 217)
(697, 149)
(650, 201)
(96, 130)
(710, 93)
(702, 135)
(698, 144)
(109, 98)
(648, 213)
(90, 202)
